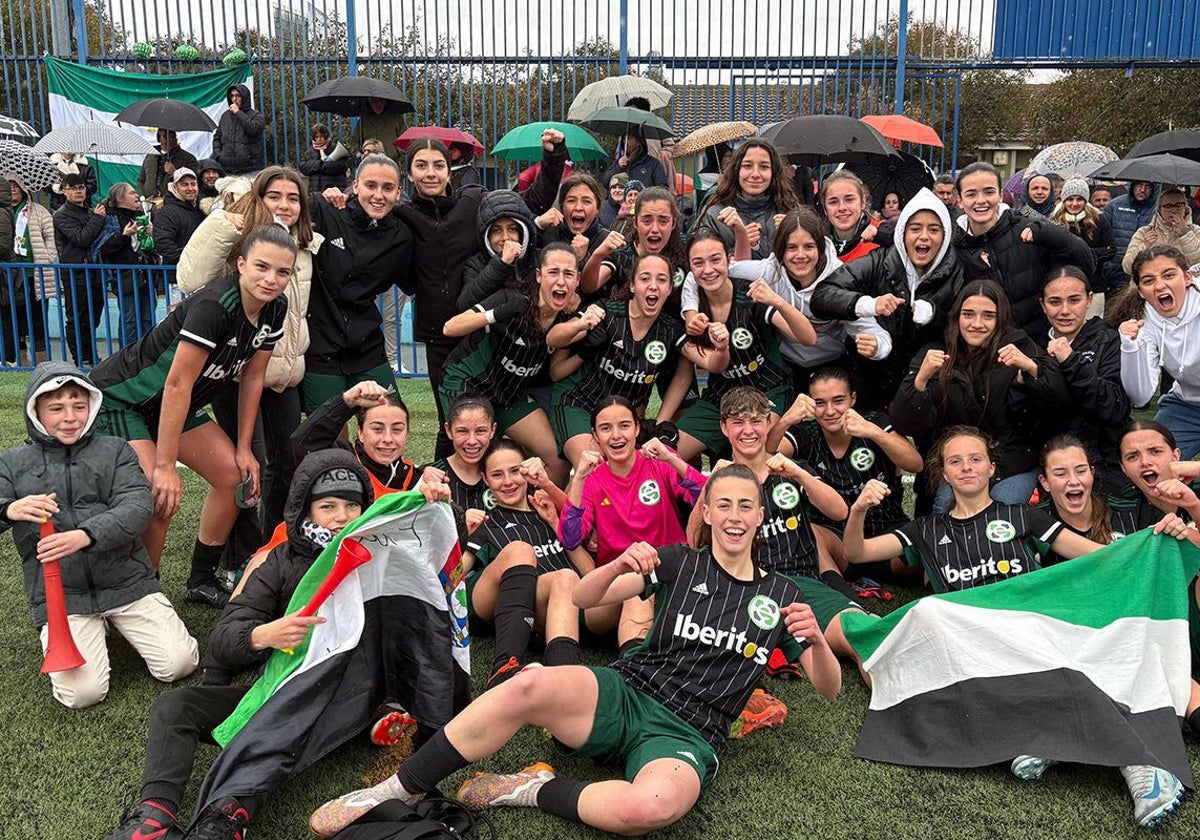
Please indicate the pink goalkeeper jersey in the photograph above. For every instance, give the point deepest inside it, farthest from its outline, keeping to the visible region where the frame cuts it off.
(640, 506)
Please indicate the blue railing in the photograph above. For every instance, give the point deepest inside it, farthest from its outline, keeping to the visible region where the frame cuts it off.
(83, 313)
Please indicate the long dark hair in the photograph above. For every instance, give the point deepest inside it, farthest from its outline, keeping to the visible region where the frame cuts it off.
(782, 194)
(974, 361)
(1100, 527)
(675, 255)
(532, 289)
(807, 219)
(255, 212)
(705, 235)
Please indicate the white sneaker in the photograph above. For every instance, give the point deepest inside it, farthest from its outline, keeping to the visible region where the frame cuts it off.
(1030, 768)
(1155, 793)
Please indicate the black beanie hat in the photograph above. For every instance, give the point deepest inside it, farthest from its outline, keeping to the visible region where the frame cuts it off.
(341, 482)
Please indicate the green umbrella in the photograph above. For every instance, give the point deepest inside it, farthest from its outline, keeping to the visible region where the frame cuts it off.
(524, 143)
(614, 120)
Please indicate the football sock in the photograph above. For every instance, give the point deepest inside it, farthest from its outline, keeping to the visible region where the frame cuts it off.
(205, 559)
(515, 600)
(561, 650)
(434, 761)
(560, 797)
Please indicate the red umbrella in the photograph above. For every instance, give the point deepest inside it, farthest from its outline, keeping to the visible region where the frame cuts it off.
(446, 135)
(898, 127)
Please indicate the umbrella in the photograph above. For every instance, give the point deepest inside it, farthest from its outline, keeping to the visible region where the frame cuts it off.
(33, 168)
(711, 135)
(1163, 168)
(171, 114)
(1182, 142)
(1015, 184)
(1074, 157)
(903, 129)
(826, 138)
(16, 128)
(348, 97)
(445, 135)
(616, 120)
(616, 90)
(524, 143)
(903, 174)
(95, 138)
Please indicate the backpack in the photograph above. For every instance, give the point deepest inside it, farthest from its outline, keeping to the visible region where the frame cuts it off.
(433, 818)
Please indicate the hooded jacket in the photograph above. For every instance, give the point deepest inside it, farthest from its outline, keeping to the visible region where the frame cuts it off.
(485, 273)
(174, 225)
(1020, 267)
(201, 167)
(760, 209)
(100, 488)
(1172, 344)
(1127, 215)
(445, 236)
(852, 290)
(238, 141)
(269, 589)
(360, 259)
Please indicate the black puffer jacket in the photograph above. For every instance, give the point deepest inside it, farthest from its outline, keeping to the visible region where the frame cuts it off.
(989, 398)
(174, 225)
(271, 586)
(100, 488)
(238, 140)
(485, 273)
(1099, 406)
(359, 260)
(445, 236)
(1020, 267)
(75, 229)
(323, 173)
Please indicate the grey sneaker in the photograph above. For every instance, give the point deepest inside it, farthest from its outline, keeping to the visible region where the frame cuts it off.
(1030, 768)
(1155, 793)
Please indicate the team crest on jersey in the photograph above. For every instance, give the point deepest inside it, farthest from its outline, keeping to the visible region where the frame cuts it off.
(649, 493)
(862, 459)
(260, 336)
(655, 352)
(1000, 531)
(489, 501)
(741, 338)
(764, 612)
(785, 495)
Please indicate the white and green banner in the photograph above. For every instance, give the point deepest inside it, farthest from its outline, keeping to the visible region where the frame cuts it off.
(81, 94)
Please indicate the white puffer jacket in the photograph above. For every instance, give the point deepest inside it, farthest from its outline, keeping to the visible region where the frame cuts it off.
(203, 261)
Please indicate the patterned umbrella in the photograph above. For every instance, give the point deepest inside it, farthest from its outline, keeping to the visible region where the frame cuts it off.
(33, 168)
(1015, 184)
(1074, 157)
(13, 127)
(711, 135)
(95, 138)
(617, 90)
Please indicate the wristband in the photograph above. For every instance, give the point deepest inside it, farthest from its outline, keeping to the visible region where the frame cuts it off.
(490, 316)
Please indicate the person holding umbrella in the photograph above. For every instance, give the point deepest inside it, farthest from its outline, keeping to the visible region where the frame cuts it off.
(755, 185)
(1127, 213)
(386, 123)
(158, 170)
(1172, 225)
(238, 140)
(637, 163)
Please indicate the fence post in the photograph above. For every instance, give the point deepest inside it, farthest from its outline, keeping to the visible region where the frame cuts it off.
(81, 45)
(352, 37)
(623, 41)
(901, 57)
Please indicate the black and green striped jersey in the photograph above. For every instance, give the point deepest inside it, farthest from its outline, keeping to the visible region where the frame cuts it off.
(212, 319)
(711, 637)
(999, 542)
(788, 544)
(862, 461)
(506, 525)
(754, 357)
(617, 363)
(466, 496)
(501, 360)
(1130, 512)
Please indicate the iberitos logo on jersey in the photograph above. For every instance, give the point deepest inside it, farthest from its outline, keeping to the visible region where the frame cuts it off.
(731, 639)
(986, 569)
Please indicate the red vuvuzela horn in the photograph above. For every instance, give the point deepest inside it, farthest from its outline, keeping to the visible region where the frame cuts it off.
(61, 653)
(351, 554)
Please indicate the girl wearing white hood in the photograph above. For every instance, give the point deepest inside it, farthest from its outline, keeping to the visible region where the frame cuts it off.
(802, 259)
(908, 289)
(1167, 337)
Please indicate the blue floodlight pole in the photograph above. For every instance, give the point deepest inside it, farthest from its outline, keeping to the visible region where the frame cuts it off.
(623, 48)
(901, 57)
(351, 38)
(81, 45)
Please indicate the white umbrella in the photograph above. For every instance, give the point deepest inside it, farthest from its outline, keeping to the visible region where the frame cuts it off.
(12, 127)
(95, 138)
(617, 90)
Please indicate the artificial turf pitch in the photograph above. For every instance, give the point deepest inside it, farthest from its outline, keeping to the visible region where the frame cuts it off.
(70, 774)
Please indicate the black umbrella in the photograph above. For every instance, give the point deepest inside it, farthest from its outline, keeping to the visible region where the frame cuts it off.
(827, 138)
(903, 174)
(171, 114)
(348, 97)
(1182, 142)
(1159, 169)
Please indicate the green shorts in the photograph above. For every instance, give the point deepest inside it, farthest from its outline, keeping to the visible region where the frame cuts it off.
(826, 602)
(123, 421)
(319, 388)
(703, 421)
(635, 729)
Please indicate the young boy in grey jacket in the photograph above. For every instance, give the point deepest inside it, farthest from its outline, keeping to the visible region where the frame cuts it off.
(91, 487)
